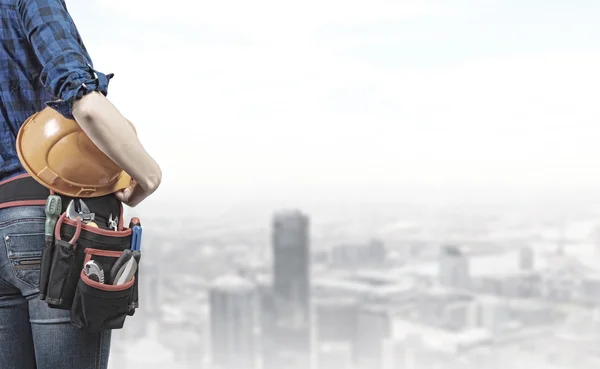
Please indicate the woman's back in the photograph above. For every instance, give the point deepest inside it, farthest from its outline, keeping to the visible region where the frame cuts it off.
(44, 62)
(21, 91)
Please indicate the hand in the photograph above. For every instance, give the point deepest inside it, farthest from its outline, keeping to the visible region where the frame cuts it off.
(132, 195)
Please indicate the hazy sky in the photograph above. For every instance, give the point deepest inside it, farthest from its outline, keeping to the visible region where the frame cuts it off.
(234, 96)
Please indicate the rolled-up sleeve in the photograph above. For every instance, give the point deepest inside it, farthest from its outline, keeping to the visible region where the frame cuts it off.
(67, 69)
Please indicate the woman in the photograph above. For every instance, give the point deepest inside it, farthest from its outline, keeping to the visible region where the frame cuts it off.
(43, 61)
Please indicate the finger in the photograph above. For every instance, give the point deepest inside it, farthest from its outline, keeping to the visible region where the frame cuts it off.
(136, 197)
(124, 194)
(119, 195)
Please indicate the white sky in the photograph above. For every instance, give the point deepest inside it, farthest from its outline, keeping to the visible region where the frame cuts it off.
(236, 96)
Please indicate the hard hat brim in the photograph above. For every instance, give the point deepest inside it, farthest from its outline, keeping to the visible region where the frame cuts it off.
(40, 170)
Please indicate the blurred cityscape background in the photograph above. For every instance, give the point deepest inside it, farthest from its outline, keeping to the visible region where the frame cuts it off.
(380, 286)
(360, 123)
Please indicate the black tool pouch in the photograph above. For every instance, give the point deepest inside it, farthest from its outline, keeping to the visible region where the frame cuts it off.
(98, 306)
(61, 283)
(64, 259)
(94, 306)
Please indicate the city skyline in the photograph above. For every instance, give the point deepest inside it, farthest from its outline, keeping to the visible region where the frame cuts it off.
(455, 305)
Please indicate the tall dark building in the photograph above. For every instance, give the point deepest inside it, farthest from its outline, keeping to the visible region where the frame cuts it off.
(290, 332)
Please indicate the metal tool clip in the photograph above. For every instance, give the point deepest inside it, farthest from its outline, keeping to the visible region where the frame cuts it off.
(113, 222)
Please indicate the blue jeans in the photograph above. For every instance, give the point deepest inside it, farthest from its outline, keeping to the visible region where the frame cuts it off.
(32, 335)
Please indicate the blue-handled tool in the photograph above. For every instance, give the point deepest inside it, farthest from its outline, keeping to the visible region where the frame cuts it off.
(136, 237)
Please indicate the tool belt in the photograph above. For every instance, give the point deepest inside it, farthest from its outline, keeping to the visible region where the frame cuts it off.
(63, 284)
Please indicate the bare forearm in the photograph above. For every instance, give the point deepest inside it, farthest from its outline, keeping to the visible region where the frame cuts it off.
(112, 134)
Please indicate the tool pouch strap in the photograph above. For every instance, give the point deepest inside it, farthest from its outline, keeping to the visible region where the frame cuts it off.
(22, 190)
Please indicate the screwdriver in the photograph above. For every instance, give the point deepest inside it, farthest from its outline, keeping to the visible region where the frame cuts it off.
(134, 221)
(136, 233)
(52, 210)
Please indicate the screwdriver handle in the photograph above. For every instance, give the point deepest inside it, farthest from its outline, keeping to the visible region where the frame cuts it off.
(135, 221)
(53, 210)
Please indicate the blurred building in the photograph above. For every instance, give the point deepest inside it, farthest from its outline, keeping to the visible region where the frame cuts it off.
(443, 308)
(288, 337)
(531, 313)
(320, 257)
(334, 355)
(454, 268)
(519, 284)
(267, 342)
(233, 312)
(374, 327)
(403, 353)
(590, 290)
(493, 314)
(336, 319)
(526, 258)
(151, 290)
(359, 255)
(329, 287)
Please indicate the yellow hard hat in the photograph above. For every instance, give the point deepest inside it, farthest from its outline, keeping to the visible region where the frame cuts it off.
(57, 153)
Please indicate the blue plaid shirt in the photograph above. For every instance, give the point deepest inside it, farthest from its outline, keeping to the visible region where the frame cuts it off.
(43, 61)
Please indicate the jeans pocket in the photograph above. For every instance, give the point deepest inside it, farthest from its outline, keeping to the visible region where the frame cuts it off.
(25, 253)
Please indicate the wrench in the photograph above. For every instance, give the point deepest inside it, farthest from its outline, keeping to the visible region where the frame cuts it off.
(85, 214)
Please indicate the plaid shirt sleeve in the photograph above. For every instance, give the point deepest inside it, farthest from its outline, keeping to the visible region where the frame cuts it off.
(67, 69)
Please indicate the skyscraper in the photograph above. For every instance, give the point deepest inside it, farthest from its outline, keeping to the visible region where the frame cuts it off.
(233, 312)
(290, 332)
